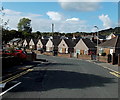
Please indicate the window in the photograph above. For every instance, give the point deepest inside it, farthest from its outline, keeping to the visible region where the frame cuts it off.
(85, 51)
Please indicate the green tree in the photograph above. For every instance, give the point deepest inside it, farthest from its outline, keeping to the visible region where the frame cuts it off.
(25, 25)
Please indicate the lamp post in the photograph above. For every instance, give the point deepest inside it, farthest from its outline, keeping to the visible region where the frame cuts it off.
(97, 41)
(52, 38)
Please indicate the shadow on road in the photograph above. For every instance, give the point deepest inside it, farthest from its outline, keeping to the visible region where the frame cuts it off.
(55, 79)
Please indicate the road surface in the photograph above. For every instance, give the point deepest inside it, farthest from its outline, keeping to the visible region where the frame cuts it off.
(66, 78)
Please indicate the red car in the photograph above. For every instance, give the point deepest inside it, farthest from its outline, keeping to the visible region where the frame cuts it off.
(19, 53)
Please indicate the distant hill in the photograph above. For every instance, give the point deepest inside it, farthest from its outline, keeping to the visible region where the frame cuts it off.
(115, 30)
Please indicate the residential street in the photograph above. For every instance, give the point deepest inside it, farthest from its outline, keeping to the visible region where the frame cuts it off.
(66, 78)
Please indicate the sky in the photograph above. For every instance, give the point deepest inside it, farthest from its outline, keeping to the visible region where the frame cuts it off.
(67, 17)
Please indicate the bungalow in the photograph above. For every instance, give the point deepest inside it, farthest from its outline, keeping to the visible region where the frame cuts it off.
(33, 43)
(49, 45)
(110, 46)
(66, 46)
(52, 45)
(14, 41)
(110, 36)
(26, 43)
(85, 47)
(41, 44)
(20, 44)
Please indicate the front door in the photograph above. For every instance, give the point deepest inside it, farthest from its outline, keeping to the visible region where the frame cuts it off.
(63, 50)
(111, 51)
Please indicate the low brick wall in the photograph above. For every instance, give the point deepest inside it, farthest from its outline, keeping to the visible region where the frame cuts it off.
(28, 50)
(85, 57)
(64, 55)
(37, 52)
(48, 53)
(103, 59)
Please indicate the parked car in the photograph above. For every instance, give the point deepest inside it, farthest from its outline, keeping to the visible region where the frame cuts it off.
(19, 53)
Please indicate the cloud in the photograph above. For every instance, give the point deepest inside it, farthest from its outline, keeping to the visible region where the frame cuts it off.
(15, 16)
(73, 19)
(11, 12)
(54, 15)
(41, 24)
(80, 5)
(107, 23)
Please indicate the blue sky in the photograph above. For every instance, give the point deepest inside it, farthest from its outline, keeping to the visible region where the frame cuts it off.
(67, 16)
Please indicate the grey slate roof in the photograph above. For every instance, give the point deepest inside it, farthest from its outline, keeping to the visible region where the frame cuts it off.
(28, 40)
(70, 43)
(114, 42)
(89, 43)
(21, 42)
(35, 41)
(44, 41)
(56, 42)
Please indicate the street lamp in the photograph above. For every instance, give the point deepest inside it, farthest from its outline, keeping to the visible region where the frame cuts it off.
(52, 37)
(97, 40)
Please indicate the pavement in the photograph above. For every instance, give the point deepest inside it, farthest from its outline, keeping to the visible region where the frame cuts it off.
(108, 66)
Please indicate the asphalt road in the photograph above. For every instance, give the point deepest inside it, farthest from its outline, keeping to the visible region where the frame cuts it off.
(66, 78)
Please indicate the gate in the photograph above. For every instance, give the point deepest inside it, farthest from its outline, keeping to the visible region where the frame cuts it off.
(93, 57)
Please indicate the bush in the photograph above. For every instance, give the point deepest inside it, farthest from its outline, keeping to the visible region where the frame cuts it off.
(103, 54)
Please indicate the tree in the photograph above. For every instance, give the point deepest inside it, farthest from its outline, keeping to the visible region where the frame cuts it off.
(25, 25)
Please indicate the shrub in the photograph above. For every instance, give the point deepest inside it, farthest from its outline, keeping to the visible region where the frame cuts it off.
(103, 54)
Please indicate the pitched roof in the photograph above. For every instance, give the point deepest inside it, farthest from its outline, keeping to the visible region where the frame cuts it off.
(70, 43)
(35, 41)
(20, 42)
(76, 41)
(118, 42)
(28, 40)
(114, 42)
(56, 42)
(44, 41)
(89, 43)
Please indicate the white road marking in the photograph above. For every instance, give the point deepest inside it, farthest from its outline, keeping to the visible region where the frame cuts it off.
(9, 89)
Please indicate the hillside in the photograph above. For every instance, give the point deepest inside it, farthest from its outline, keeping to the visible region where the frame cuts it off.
(115, 30)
